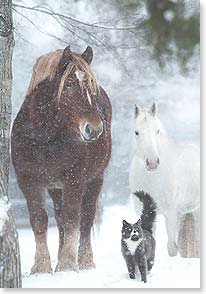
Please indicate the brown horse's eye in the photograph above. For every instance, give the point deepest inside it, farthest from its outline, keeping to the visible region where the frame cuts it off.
(136, 133)
(158, 131)
(69, 84)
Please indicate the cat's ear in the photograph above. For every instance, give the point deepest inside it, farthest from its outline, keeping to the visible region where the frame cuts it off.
(125, 223)
(138, 223)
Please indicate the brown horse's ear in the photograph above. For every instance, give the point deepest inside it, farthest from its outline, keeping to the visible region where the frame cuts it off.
(65, 59)
(87, 55)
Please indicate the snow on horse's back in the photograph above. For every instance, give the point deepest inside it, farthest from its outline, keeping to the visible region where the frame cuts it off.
(167, 169)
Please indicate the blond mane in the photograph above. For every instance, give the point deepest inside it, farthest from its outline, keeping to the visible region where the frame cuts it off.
(46, 66)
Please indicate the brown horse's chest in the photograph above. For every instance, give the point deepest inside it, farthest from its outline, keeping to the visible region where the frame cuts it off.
(90, 160)
(85, 160)
(98, 157)
(52, 163)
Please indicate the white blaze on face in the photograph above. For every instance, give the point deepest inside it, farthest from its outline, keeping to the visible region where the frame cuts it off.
(89, 98)
(80, 77)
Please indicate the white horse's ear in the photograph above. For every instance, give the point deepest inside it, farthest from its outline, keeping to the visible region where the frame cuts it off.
(136, 110)
(153, 109)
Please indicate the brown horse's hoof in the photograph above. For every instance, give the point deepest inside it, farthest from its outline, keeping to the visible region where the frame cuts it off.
(43, 268)
(66, 267)
(85, 261)
(86, 265)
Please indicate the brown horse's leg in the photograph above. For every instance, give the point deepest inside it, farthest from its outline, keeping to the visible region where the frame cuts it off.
(39, 224)
(70, 221)
(88, 211)
(56, 195)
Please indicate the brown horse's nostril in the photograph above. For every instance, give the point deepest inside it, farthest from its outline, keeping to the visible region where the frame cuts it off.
(147, 162)
(92, 132)
(88, 129)
(158, 161)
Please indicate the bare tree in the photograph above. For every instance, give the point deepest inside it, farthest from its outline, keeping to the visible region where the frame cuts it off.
(10, 272)
(165, 31)
(96, 34)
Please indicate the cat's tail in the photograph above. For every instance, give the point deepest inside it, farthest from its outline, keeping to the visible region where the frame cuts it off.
(149, 210)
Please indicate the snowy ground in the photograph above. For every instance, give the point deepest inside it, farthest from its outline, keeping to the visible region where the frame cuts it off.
(110, 272)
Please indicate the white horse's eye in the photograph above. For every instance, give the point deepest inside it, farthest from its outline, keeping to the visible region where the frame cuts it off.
(158, 131)
(136, 133)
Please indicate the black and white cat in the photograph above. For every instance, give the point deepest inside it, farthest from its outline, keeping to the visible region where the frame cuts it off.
(138, 243)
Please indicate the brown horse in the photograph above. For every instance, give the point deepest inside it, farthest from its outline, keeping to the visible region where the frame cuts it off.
(61, 141)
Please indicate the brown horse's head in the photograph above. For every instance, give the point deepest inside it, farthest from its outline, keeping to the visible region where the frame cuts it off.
(77, 95)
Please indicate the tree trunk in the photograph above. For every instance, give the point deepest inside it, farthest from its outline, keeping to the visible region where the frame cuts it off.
(10, 273)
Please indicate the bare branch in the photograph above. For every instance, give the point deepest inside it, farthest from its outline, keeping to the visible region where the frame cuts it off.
(49, 11)
(92, 33)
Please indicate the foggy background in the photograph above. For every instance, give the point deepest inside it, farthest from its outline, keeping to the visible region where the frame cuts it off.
(144, 51)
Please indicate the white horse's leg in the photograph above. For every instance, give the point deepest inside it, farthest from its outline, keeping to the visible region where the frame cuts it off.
(172, 227)
(186, 237)
(189, 235)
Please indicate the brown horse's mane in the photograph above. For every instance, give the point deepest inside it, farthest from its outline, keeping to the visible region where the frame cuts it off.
(46, 66)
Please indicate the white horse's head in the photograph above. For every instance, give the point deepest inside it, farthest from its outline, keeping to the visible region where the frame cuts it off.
(148, 131)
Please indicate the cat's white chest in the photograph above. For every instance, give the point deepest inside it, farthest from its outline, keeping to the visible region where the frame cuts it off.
(132, 245)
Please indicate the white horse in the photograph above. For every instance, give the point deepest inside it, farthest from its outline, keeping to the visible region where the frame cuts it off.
(169, 170)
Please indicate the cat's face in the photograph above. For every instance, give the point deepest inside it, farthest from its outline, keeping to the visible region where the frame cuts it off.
(131, 231)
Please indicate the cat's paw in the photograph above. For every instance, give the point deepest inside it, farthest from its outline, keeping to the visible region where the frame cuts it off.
(132, 276)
